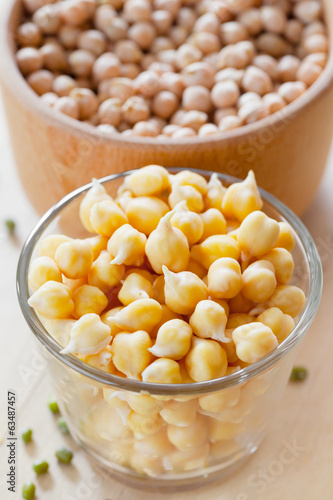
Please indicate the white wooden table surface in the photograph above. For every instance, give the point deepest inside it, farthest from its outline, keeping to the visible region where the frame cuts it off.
(304, 421)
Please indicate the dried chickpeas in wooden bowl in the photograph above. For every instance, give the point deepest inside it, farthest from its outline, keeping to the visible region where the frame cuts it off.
(141, 61)
(173, 302)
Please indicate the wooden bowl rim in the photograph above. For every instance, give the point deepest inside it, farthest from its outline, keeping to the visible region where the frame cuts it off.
(12, 78)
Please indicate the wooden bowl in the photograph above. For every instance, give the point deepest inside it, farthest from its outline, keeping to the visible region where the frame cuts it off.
(55, 154)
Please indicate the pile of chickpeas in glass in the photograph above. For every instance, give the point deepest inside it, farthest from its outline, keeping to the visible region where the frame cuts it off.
(171, 68)
(184, 280)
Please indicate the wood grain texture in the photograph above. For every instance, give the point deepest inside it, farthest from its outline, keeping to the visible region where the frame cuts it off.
(54, 154)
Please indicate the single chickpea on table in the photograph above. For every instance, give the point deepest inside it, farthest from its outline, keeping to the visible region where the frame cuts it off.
(184, 281)
(140, 66)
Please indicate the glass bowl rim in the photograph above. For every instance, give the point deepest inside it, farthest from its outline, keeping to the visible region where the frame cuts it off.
(137, 386)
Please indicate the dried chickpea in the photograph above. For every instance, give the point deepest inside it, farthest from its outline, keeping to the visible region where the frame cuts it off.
(86, 100)
(308, 73)
(225, 94)
(290, 91)
(29, 59)
(68, 106)
(47, 18)
(135, 109)
(29, 35)
(164, 104)
(197, 97)
(256, 80)
(63, 85)
(81, 62)
(92, 40)
(41, 81)
(74, 12)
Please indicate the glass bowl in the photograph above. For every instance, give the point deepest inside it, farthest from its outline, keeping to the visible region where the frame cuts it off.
(124, 424)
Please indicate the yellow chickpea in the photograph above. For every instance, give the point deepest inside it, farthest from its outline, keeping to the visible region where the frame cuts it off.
(215, 193)
(53, 300)
(135, 287)
(257, 234)
(193, 435)
(88, 299)
(48, 246)
(98, 243)
(142, 314)
(168, 246)
(106, 217)
(290, 299)
(107, 316)
(41, 270)
(209, 321)
(145, 212)
(206, 360)
(253, 341)
(213, 223)
(89, 335)
(162, 371)
(127, 246)
(186, 192)
(103, 274)
(218, 431)
(242, 198)
(173, 340)
(167, 315)
(183, 291)
(259, 281)
(283, 263)
(130, 353)
(95, 194)
(281, 324)
(215, 247)
(74, 258)
(224, 278)
(196, 268)
(188, 222)
(148, 181)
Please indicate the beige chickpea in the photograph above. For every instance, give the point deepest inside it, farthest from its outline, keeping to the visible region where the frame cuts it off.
(230, 123)
(128, 51)
(293, 31)
(256, 80)
(208, 23)
(68, 36)
(319, 58)
(41, 81)
(87, 102)
(110, 111)
(253, 111)
(315, 28)
(145, 129)
(162, 21)
(247, 97)
(273, 102)
(106, 66)
(104, 15)
(172, 6)
(197, 98)
(290, 91)
(222, 113)
(47, 18)
(315, 43)
(68, 106)
(107, 129)
(29, 35)
(184, 132)
(143, 34)
(268, 64)
(50, 98)
(84, 83)
(63, 85)
(137, 11)
(147, 84)
(309, 72)
(164, 104)
(236, 75)
(194, 119)
(236, 56)
(81, 62)
(129, 70)
(288, 67)
(32, 5)
(160, 68)
(273, 18)
(308, 11)
(225, 94)
(116, 29)
(135, 109)
(122, 88)
(74, 12)
(92, 40)
(54, 57)
(177, 117)
(208, 43)
(233, 32)
(170, 129)
(208, 129)
(199, 73)
(187, 54)
(251, 19)
(147, 60)
(178, 35)
(174, 83)
(29, 59)
(160, 44)
(271, 44)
